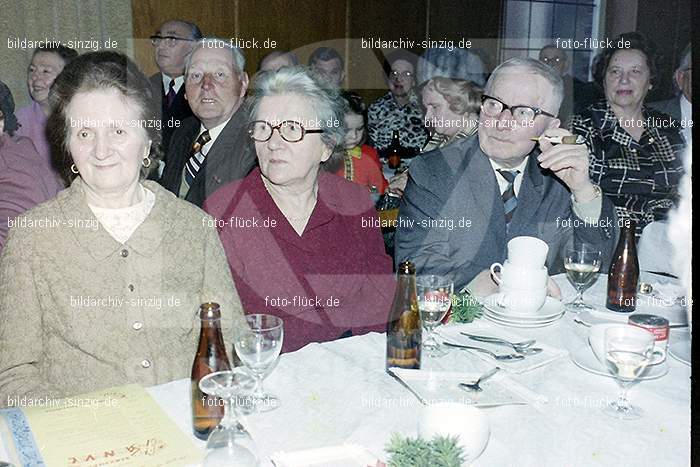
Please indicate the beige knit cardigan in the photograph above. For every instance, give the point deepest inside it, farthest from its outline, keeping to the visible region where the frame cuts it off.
(80, 311)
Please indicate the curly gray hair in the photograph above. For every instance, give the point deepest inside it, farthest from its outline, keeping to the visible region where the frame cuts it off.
(325, 99)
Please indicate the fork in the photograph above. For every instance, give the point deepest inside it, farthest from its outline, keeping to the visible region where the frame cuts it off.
(520, 347)
(479, 349)
(496, 340)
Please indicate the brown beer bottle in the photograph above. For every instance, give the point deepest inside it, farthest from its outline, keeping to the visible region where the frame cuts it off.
(404, 332)
(624, 272)
(393, 155)
(211, 357)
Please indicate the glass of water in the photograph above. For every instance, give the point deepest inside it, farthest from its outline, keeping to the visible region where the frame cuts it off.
(434, 300)
(582, 264)
(258, 347)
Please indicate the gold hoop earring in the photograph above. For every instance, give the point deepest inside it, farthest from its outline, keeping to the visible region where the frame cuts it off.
(74, 169)
(146, 162)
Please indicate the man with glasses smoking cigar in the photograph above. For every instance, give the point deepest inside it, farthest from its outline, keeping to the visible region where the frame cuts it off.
(172, 43)
(212, 149)
(509, 181)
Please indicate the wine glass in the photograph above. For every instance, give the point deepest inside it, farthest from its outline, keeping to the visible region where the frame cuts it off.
(229, 444)
(582, 264)
(628, 351)
(434, 299)
(258, 347)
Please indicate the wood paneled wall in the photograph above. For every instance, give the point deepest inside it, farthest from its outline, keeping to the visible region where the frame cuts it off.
(304, 25)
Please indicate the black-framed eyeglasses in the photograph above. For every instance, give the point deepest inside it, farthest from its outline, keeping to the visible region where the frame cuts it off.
(400, 74)
(167, 40)
(289, 130)
(493, 107)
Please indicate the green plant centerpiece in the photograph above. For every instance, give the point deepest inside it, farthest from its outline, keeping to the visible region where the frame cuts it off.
(441, 451)
(465, 308)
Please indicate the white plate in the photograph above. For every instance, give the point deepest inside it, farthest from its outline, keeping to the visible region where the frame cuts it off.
(583, 357)
(521, 324)
(679, 347)
(520, 320)
(598, 316)
(551, 309)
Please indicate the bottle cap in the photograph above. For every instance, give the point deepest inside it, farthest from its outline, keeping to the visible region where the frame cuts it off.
(406, 267)
(209, 310)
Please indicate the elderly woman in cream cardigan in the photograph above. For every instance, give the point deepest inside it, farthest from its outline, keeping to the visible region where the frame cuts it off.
(100, 286)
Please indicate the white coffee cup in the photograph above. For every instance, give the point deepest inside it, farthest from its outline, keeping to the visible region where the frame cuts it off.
(517, 277)
(524, 301)
(527, 252)
(596, 339)
(468, 423)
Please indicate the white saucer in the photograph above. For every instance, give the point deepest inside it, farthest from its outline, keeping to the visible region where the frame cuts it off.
(603, 315)
(583, 357)
(520, 324)
(679, 347)
(550, 310)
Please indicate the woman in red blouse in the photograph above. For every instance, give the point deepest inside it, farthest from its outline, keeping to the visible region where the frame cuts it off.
(302, 243)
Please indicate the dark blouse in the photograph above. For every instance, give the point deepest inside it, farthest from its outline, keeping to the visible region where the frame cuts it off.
(640, 177)
(332, 279)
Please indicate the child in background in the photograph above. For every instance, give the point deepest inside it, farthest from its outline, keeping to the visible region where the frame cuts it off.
(361, 164)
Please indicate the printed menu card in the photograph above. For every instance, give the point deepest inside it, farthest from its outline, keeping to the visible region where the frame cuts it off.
(120, 426)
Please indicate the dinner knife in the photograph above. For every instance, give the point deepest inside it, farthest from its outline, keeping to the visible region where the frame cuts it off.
(404, 384)
(664, 274)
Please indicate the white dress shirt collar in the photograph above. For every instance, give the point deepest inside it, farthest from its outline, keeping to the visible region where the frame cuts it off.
(502, 183)
(179, 81)
(213, 133)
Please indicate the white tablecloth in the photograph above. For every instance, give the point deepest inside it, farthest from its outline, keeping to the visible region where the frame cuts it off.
(338, 392)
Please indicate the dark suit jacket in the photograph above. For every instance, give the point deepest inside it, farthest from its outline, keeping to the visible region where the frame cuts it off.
(670, 107)
(179, 111)
(451, 217)
(231, 157)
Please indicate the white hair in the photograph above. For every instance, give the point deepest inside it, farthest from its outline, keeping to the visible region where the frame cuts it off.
(217, 43)
(324, 98)
(537, 68)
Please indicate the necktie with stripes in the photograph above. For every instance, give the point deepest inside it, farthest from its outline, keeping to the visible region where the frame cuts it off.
(196, 160)
(510, 202)
(170, 96)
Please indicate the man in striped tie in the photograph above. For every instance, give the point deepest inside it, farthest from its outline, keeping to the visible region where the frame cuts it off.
(212, 149)
(172, 43)
(464, 202)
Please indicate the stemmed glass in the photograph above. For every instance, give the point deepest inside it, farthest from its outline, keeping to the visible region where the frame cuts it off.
(627, 354)
(229, 444)
(258, 348)
(434, 299)
(582, 264)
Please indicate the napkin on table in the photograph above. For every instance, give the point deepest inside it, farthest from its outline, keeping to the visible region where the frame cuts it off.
(530, 362)
(345, 455)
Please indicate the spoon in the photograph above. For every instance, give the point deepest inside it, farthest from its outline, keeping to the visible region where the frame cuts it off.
(475, 385)
(479, 349)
